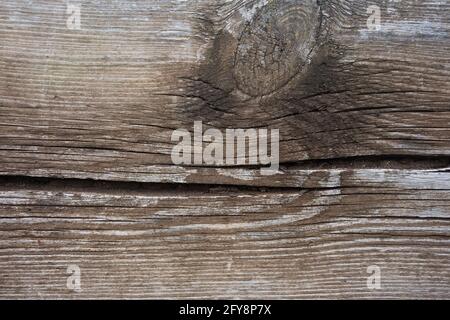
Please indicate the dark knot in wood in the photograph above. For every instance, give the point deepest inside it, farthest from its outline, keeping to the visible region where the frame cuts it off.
(276, 45)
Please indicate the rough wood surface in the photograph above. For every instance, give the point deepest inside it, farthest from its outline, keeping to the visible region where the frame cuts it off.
(108, 96)
(171, 242)
(86, 178)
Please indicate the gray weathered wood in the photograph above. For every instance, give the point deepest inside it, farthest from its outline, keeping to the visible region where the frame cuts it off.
(134, 241)
(86, 177)
(108, 96)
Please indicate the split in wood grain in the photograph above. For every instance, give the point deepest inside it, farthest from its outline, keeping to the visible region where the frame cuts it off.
(140, 241)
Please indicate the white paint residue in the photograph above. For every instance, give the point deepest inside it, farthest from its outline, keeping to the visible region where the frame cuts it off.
(405, 179)
(239, 174)
(333, 180)
(245, 14)
(248, 14)
(408, 29)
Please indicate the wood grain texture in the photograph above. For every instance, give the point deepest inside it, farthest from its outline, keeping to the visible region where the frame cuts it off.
(107, 97)
(207, 242)
(86, 178)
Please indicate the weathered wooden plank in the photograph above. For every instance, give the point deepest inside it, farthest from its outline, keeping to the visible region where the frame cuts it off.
(108, 96)
(102, 102)
(145, 241)
(314, 177)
